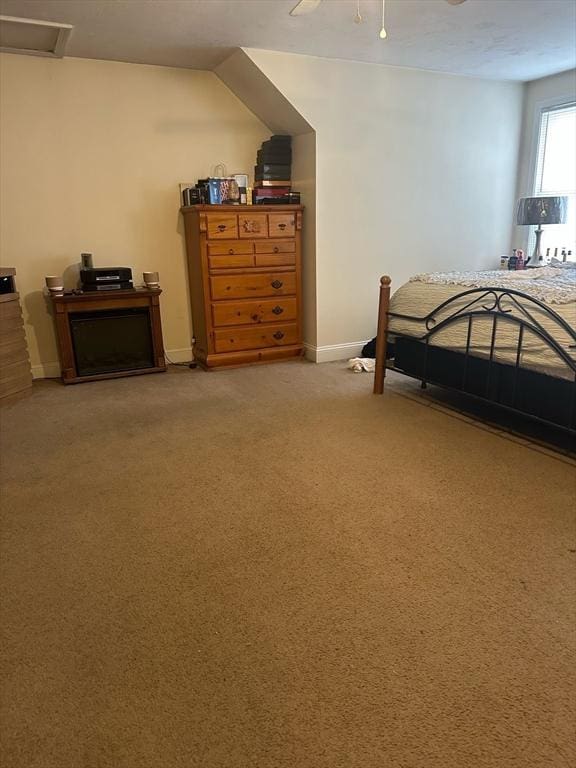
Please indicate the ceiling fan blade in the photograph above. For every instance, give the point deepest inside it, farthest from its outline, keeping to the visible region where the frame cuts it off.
(305, 6)
(455, 2)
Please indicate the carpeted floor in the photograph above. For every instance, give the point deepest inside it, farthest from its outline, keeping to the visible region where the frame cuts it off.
(271, 568)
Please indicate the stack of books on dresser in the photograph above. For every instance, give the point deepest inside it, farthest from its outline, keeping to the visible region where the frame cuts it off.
(273, 173)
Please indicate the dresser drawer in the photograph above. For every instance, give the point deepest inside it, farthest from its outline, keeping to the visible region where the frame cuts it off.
(253, 225)
(220, 226)
(233, 260)
(275, 246)
(275, 259)
(235, 253)
(275, 253)
(282, 224)
(248, 286)
(257, 337)
(234, 247)
(9, 310)
(251, 312)
(14, 323)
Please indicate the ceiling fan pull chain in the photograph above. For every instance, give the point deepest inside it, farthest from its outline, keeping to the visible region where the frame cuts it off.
(383, 30)
(358, 17)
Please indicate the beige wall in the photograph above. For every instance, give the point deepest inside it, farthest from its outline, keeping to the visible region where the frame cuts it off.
(539, 94)
(416, 171)
(91, 155)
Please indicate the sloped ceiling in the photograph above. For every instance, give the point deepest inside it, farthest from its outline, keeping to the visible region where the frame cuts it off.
(257, 92)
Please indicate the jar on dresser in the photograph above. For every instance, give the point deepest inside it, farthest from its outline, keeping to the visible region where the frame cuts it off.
(244, 267)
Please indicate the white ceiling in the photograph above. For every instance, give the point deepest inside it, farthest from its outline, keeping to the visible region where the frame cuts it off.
(505, 39)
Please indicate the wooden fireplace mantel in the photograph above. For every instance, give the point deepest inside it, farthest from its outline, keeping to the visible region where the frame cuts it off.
(75, 302)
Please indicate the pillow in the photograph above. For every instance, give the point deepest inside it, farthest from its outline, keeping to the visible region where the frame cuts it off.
(562, 264)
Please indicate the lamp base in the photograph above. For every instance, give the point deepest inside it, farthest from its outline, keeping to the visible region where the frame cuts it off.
(537, 255)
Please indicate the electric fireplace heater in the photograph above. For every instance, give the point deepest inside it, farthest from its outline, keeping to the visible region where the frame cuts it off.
(109, 342)
(109, 334)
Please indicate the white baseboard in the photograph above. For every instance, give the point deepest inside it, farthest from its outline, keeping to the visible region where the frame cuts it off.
(46, 371)
(178, 355)
(326, 354)
(332, 352)
(52, 370)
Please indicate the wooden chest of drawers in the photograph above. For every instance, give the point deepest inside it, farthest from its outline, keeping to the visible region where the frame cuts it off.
(15, 373)
(244, 266)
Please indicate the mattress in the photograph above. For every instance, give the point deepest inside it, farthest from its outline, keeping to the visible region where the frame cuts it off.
(556, 288)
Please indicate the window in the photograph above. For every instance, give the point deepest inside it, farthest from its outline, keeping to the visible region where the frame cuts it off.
(556, 175)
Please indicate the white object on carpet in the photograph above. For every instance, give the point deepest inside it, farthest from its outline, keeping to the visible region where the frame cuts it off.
(361, 364)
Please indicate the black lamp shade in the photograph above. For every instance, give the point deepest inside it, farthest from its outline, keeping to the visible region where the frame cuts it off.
(542, 210)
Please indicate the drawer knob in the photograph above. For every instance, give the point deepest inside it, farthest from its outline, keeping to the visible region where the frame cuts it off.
(278, 310)
(279, 335)
(276, 249)
(276, 284)
(231, 251)
(221, 227)
(282, 226)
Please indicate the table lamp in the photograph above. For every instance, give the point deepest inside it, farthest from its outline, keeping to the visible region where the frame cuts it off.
(541, 210)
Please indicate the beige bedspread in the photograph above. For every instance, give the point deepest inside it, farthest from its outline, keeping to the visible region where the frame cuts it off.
(424, 293)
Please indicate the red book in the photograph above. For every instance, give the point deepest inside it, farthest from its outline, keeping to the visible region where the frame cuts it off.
(271, 191)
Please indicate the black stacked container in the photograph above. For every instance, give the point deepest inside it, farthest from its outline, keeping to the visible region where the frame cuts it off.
(273, 172)
(274, 161)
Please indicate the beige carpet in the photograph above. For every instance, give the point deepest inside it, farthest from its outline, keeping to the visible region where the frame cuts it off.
(271, 568)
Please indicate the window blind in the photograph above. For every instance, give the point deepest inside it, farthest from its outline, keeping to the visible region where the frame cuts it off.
(556, 174)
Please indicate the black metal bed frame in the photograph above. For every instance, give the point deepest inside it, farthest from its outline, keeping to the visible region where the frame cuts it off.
(501, 305)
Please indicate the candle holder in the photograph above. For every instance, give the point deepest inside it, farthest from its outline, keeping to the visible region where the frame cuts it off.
(55, 283)
(151, 279)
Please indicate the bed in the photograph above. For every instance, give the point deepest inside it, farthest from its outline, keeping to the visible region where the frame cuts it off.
(505, 337)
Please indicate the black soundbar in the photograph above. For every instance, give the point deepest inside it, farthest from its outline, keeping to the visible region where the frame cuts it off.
(105, 275)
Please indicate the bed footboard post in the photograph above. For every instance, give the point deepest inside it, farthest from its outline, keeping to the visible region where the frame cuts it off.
(382, 335)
